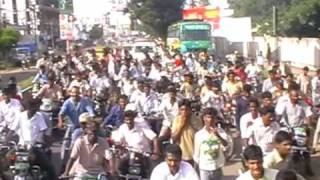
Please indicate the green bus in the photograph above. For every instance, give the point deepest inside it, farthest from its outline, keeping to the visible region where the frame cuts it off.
(189, 36)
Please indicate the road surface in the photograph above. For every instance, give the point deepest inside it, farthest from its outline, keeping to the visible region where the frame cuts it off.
(230, 170)
(18, 73)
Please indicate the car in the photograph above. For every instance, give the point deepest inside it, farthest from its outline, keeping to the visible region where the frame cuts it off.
(139, 48)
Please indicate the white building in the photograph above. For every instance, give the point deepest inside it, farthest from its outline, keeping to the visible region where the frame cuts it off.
(13, 12)
(108, 13)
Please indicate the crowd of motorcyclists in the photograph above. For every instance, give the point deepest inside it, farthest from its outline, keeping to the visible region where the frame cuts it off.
(122, 116)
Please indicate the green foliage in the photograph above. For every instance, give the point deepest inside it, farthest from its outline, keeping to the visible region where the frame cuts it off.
(96, 32)
(157, 15)
(301, 19)
(295, 17)
(204, 2)
(8, 38)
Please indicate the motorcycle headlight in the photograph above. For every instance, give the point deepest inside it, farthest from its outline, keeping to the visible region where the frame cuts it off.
(22, 158)
(135, 170)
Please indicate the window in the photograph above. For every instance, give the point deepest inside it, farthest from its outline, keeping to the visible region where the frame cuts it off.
(195, 35)
(15, 18)
(14, 5)
(173, 32)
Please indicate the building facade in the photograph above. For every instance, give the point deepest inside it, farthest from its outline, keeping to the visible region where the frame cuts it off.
(34, 19)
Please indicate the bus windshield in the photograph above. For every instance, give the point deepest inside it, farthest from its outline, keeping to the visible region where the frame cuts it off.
(195, 35)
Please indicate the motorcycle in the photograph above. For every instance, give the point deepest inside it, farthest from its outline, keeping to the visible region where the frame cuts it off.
(226, 135)
(100, 105)
(154, 120)
(255, 83)
(21, 167)
(135, 170)
(86, 176)
(66, 145)
(299, 159)
(50, 109)
(25, 63)
(229, 114)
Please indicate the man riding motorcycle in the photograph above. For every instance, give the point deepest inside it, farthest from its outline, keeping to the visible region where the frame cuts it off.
(90, 155)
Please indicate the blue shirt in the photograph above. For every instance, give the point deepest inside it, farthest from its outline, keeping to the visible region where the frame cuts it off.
(41, 77)
(115, 117)
(74, 110)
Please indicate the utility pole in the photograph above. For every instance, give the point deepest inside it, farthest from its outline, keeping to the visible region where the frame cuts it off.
(52, 35)
(275, 31)
(1, 20)
(274, 21)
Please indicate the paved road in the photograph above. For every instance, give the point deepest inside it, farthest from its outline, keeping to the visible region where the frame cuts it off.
(18, 73)
(230, 170)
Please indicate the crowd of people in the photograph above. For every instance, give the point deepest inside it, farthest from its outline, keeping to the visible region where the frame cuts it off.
(151, 101)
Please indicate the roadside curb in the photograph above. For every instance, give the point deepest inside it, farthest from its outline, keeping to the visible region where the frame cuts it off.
(18, 70)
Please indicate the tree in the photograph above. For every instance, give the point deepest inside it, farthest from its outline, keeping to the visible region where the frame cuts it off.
(295, 17)
(301, 19)
(96, 32)
(156, 15)
(8, 38)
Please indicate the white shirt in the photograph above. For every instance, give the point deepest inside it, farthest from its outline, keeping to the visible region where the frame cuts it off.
(315, 87)
(169, 111)
(315, 84)
(30, 131)
(190, 64)
(100, 83)
(211, 99)
(127, 87)
(263, 135)
(260, 60)
(154, 73)
(294, 114)
(245, 122)
(135, 96)
(252, 70)
(162, 172)
(9, 112)
(147, 104)
(138, 138)
(82, 85)
(269, 174)
(268, 86)
(209, 157)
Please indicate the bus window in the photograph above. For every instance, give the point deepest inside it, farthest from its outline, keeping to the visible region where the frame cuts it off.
(195, 35)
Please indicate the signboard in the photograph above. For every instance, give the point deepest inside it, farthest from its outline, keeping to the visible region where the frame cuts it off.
(196, 27)
(211, 15)
(66, 26)
(66, 6)
(201, 13)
